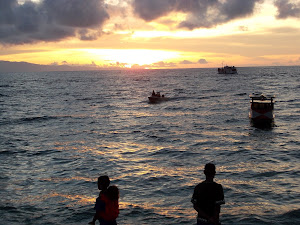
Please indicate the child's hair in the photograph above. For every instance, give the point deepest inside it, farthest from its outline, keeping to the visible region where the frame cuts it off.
(104, 180)
(113, 192)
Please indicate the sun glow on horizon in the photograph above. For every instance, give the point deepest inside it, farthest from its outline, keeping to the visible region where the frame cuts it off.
(132, 56)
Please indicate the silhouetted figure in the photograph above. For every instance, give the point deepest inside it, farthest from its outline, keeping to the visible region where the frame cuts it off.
(107, 204)
(208, 197)
(153, 93)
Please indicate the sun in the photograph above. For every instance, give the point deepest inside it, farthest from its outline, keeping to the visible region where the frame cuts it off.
(132, 56)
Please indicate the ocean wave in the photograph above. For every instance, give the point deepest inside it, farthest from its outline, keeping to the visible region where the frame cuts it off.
(31, 119)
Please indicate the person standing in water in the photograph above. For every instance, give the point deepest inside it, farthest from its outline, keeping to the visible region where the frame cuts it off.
(208, 197)
(107, 204)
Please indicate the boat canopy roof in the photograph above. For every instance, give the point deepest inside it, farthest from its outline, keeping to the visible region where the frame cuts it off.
(258, 96)
(261, 98)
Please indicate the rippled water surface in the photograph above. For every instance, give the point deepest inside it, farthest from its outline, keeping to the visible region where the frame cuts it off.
(61, 130)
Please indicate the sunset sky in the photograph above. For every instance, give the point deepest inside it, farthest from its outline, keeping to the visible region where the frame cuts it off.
(151, 33)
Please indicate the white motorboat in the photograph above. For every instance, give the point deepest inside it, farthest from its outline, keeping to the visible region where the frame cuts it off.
(227, 70)
(261, 108)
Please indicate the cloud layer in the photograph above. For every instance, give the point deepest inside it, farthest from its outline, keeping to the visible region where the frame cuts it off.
(200, 13)
(50, 20)
(55, 20)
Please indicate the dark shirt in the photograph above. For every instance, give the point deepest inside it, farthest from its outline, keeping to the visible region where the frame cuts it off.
(100, 205)
(207, 196)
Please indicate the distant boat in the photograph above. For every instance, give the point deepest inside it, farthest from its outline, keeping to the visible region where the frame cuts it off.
(157, 97)
(261, 109)
(227, 70)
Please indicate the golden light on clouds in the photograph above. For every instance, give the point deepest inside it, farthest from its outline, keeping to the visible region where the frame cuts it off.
(158, 34)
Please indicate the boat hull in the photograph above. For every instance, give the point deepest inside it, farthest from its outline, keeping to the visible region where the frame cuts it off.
(227, 70)
(261, 116)
(262, 122)
(155, 99)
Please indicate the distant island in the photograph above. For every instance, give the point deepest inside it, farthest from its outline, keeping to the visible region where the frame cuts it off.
(7, 66)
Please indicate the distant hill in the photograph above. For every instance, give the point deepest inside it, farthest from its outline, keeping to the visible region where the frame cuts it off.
(7, 66)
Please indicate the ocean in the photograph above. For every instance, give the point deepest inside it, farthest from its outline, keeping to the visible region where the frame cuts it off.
(61, 130)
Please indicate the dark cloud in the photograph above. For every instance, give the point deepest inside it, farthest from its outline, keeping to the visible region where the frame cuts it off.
(200, 13)
(76, 13)
(186, 62)
(238, 9)
(287, 9)
(6, 11)
(202, 61)
(153, 9)
(50, 20)
(163, 64)
(88, 35)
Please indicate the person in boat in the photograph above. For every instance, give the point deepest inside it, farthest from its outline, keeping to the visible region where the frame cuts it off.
(153, 93)
(208, 197)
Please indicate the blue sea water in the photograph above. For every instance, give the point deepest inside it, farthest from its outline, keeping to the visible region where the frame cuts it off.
(61, 130)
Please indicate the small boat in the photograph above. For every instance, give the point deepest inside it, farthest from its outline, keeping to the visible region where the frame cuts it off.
(157, 97)
(227, 70)
(261, 109)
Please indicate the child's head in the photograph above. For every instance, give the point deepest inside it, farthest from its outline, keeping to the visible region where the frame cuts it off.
(103, 182)
(113, 192)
